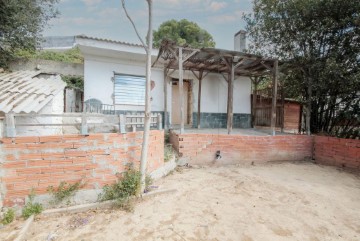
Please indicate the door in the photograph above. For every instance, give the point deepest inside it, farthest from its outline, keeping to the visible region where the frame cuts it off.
(175, 107)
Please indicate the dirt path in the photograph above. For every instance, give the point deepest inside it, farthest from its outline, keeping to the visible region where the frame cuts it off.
(270, 202)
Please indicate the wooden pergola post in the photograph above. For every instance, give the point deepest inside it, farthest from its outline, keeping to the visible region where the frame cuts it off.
(230, 101)
(199, 101)
(274, 97)
(181, 91)
(166, 127)
(255, 84)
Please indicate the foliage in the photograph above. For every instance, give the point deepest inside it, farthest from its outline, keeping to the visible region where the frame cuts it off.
(9, 216)
(126, 187)
(168, 152)
(69, 56)
(64, 191)
(74, 81)
(183, 32)
(21, 24)
(317, 40)
(30, 207)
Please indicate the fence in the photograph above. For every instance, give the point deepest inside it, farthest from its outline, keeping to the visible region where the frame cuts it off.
(83, 121)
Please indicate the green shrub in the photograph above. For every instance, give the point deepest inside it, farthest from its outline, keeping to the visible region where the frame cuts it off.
(9, 216)
(126, 187)
(168, 152)
(30, 207)
(64, 191)
(69, 56)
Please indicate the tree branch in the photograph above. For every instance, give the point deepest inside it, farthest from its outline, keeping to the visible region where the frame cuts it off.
(133, 24)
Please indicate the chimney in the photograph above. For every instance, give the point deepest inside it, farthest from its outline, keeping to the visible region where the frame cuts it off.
(240, 41)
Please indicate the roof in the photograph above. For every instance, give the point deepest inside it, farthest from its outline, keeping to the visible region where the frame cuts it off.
(28, 91)
(109, 40)
(215, 60)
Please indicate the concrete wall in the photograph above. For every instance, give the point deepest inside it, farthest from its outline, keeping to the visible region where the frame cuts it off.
(55, 106)
(48, 66)
(39, 162)
(337, 152)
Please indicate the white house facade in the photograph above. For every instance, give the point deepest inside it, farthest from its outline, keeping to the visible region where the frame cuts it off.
(114, 74)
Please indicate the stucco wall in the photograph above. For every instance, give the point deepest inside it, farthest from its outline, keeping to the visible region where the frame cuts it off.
(99, 84)
(214, 91)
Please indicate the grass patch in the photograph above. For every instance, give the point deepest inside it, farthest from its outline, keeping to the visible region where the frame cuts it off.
(30, 207)
(9, 216)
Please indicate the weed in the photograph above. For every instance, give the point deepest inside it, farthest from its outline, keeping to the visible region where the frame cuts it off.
(167, 138)
(30, 207)
(9, 216)
(168, 152)
(64, 191)
(126, 187)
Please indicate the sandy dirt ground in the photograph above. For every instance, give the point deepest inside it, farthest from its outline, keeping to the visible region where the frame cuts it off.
(284, 201)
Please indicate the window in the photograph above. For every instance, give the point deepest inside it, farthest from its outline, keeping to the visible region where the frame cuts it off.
(129, 89)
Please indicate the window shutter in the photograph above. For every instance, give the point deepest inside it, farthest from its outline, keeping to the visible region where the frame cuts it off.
(129, 90)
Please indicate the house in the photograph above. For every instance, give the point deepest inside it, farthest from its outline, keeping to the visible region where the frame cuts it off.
(114, 74)
(24, 93)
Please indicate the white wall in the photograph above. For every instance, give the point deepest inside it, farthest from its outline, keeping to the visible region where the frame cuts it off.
(99, 85)
(214, 92)
(55, 106)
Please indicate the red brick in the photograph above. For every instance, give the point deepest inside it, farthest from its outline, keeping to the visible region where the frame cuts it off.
(30, 156)
(14, 164)
(26, 139)
(38, 163)
(47, 139)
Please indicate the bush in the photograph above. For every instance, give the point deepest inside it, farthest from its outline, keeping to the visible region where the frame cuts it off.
(9, 216)
(126, 187)
(64, 191)
(168, 152)
(30, 207)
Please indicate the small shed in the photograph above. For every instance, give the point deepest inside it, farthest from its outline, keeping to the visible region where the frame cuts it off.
(32, 92)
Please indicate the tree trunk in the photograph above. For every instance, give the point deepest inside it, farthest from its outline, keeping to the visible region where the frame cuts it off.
(145, 144)
(309, 105)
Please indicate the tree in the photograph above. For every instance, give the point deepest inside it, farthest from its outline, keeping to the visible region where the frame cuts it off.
(183, 32)
(318, 42)
(21, 24)
(148, 49)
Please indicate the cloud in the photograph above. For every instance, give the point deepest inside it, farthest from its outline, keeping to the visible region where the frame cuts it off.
(227, 18)
(216, 6)
(91, 2)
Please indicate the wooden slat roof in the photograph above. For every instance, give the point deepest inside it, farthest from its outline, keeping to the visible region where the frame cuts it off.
(215, 60)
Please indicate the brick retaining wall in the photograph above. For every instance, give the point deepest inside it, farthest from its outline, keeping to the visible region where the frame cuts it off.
(337, 152)
(39, 162)
(201, 148)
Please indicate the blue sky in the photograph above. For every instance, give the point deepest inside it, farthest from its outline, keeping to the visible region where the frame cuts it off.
(106, 19)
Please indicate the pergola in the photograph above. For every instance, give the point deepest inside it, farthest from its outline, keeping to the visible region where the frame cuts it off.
(229, 64)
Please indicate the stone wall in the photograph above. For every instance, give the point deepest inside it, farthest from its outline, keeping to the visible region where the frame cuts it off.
(48, 66)
(35, 162)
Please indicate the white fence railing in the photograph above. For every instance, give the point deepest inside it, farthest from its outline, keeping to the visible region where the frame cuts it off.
(84, 122)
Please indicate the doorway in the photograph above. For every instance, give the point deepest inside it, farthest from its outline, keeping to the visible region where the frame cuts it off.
(175, 107)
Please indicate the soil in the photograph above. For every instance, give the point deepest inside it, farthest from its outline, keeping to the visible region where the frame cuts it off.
(281, 201)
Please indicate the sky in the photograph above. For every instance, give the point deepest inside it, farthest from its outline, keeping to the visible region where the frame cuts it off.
(106, 18)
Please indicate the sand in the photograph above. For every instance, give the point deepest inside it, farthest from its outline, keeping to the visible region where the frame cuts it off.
(283, 201)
